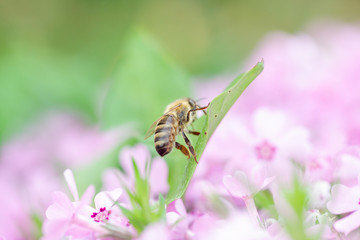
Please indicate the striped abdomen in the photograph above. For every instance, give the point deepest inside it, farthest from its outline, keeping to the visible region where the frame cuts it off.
(165, 134)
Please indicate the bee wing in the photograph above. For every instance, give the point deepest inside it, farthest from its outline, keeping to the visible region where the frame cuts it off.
(152, 127)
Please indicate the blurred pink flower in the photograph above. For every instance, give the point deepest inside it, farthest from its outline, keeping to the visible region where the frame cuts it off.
(31, 163)
(346, 200)
(347, 163)
(159, 231)
(179, 221)
(269, 138)
(312, 76)
(319, 194)
(240, 186)
(236, 226)
(140, 154)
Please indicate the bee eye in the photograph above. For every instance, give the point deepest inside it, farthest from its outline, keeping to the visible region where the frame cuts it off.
(192, 103)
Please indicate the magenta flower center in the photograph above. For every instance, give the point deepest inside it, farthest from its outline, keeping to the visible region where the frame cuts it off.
(265, 151)
(102, 215)
(314, 165)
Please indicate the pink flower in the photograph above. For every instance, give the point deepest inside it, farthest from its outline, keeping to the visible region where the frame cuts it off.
(78, 219)
(319, 194)
(62, 215)
(178, 220)
(269, 138)
(236, 226)
(346, 200)
(241, 186)
(347, 164)
(157, 231)
(157, 175)
(31, 163)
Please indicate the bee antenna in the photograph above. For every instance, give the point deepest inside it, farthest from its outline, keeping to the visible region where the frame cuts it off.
(199, 99)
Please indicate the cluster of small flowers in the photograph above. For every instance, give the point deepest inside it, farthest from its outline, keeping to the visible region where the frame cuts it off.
(298, 123)
(293, 138)
(31, 166)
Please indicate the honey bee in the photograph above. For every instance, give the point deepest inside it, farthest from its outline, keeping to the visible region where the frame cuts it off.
(177, 116)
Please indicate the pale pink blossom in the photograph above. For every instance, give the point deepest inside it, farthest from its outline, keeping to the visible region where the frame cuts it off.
(78, 219)
(243, 187)
(236, 225)
(158, 231)
(319, 194)
(157, 171)
(179, 221)
(346, 200)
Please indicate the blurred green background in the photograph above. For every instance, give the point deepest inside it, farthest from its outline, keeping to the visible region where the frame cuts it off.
(60, 54)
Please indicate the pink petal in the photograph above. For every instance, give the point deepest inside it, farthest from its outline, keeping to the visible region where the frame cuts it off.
(172, 218)
(295, 144)
(88, 195)
(107, 198)
(348, 169)
(258, 178)
(349, 223)
(83, 207)
(139, 153)
(237, 187)
(343, 199)
(158, 176)
(55, 229)
(180, 207)
(69, 177)
(62, 207)
(177, 206)
(202, 226)
(269, 124)
(155, 231)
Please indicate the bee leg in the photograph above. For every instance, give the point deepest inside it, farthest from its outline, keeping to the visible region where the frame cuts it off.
(203, 108)
(194, 133)
(197, 109)
(200, 108)
(187, 141)
(183, 149)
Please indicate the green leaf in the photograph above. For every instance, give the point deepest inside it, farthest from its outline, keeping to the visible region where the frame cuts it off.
(144, 82)
(297, 197)
(35, 80)
(216, 111)
(161, 214)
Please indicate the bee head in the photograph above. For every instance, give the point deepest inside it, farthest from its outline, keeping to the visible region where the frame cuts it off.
(192, 103)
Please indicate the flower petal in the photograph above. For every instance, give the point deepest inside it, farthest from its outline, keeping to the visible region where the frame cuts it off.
(177, 206)
(269, 124)
(139, 153)
(158, 176)
(259, 179)
(55, 229)
(348, 223)
(343, 199)
(107, 198)
(62, 207)
(69, 177)
(172, 218)
(236, 186)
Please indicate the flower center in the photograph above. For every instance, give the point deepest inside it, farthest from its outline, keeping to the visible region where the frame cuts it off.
(265, 151)
(314, 165)
(102, 215)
